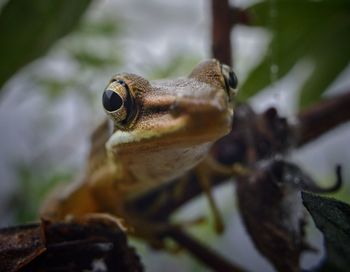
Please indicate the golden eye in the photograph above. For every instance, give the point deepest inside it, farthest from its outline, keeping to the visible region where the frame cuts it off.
(111, 100)
(118, 102)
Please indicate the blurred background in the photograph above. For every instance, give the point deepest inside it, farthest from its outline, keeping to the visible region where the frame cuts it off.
(57, 57)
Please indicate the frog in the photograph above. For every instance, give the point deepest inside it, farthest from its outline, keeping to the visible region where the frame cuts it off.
(155, 131)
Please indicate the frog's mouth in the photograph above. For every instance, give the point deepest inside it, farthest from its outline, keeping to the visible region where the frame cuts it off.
(175, 121)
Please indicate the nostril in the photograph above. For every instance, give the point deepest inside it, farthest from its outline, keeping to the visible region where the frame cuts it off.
(174, 109)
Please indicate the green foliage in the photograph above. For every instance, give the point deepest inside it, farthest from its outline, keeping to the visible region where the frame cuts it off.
(317, 31)
(332, 217)
(93, 52)
(87, 59)
(29, 28)
(32, 189)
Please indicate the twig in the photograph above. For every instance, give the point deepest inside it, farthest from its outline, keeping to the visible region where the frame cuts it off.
(239, 17)
(322, 117)
(221, 29)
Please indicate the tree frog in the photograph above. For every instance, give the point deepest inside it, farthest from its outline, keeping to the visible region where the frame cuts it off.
(156, 131)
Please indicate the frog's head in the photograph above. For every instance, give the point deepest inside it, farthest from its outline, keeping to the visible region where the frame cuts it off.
(183, 112)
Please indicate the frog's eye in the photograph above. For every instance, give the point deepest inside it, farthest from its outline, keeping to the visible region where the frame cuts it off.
(230, 78)
(118, 102)
(111, 100)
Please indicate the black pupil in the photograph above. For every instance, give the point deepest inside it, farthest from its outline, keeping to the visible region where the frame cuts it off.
(232, 81)
(111, 100)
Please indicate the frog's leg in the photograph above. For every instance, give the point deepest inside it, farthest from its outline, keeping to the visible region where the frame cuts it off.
(204, 179)
(96, 193)
(203, 174)
(206, 171)
(153, 205)
(74, 200)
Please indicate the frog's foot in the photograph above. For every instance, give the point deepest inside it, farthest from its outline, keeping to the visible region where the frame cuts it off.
(232, 170)
(153, 232)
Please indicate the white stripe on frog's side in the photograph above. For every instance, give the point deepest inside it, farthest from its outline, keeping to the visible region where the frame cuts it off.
(124, 137)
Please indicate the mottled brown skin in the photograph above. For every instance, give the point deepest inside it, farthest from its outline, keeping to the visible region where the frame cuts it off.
(175, 124)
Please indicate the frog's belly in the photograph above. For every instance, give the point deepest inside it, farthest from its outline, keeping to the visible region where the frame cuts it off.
(150, 169)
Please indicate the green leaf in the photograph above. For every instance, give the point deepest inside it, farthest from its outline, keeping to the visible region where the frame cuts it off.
(330, 58)
(29, 28)
(332, 217)
(301, 29)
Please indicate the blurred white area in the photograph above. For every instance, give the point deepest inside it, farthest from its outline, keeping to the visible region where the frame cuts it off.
(51, 134)
(154, 31)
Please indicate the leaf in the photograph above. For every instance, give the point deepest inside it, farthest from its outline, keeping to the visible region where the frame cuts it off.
(332, 217)
(313, 30)
(29, 28)
(330, 59)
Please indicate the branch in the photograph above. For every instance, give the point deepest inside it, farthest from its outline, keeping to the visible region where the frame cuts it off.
(239, 17)
(323, 117)
(221, 30)
(79, 245)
